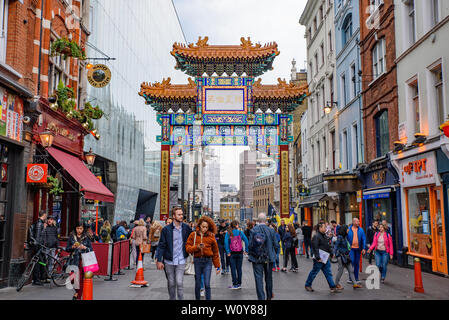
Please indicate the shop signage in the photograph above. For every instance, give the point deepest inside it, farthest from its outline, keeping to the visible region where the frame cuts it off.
(99, 76)
(37, 173)
(419, 170)
(11, 115)
(4, 173)
(402, 131)
(165, 183)
(379, 177)
(67, 135)
(284, 183)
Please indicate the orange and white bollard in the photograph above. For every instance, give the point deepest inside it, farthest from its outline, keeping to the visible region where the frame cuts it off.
(88, 286)
(418, 276)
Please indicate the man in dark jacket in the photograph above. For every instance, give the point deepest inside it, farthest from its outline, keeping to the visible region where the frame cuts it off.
(370, 237)
(114, 230)
(220, 237)
(321, 251)
(50, 238)
(171, 253)
(38, 237)
(263, 265)
(307, 232)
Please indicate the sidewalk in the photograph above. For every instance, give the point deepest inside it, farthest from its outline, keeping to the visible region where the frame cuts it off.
(287, 286)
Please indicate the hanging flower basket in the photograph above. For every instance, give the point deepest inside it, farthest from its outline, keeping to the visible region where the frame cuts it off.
(67, 48)
(445, 128)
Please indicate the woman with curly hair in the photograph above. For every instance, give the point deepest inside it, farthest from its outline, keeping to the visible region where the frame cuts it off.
(202, 244)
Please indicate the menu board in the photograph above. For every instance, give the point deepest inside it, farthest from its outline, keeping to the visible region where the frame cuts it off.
(11, 120)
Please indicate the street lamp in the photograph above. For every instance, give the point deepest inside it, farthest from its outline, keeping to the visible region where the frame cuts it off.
(90, 157)
(47, 138)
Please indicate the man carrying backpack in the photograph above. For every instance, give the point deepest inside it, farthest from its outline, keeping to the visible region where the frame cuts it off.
(234, 250)
(262, 253)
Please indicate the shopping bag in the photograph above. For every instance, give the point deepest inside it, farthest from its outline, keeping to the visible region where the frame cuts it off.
(90, 262)
(190, 267)
(145, 247)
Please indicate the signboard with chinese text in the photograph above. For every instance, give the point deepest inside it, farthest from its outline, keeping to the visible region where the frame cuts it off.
(11, 119)
(224, 100)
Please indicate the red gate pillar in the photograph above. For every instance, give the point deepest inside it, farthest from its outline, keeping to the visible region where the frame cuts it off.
(165, 183)
(284, 182)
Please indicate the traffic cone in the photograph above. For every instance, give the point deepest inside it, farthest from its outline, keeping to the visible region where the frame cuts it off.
(139, 280)
(88, 286)
(418, 278)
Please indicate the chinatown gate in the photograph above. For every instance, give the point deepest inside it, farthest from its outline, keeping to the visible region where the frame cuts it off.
(224, 105)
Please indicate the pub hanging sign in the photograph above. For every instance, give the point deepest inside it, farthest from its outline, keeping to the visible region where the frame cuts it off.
(37, 173)
(99, 76)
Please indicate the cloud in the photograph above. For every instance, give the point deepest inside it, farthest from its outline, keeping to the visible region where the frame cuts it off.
(226, 21)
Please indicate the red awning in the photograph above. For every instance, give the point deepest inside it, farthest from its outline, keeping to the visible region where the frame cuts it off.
(91, 187)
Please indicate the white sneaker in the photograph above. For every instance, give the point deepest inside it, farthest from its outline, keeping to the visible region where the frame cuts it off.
(202, 292)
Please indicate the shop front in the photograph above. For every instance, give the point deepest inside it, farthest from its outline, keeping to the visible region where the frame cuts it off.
(14, 99)
(69, 182)
(381, 196)
(424, 210)
(319, 204)
(346, 185)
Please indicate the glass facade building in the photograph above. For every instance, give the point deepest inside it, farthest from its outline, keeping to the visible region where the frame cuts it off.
(139, 34)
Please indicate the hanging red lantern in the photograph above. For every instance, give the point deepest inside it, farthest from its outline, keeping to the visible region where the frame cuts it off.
(445, 128)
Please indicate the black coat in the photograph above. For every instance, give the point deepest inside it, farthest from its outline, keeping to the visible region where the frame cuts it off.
(39, 231)
(50, 237)
(320, 241)
(307, 232)
(76, 253)
(370, 234)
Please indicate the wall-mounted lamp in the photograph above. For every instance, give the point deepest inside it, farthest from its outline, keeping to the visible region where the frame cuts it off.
(47, 138)
(420, 138)
(329, 106)
(90, 157)
(398, 146)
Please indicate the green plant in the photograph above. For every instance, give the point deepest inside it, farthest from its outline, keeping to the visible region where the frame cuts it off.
(66, 48)
(55, 186)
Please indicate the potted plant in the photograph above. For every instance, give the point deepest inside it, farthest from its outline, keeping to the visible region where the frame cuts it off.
(55, 189)
(67, 48)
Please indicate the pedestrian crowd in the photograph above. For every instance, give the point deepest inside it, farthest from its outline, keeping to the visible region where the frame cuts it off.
(205, 246)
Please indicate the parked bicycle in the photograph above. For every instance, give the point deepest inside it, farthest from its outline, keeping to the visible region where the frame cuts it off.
(54, 267)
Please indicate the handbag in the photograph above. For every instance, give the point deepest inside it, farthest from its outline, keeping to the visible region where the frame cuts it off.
(145, 247)
(90, 262)
(190, 267)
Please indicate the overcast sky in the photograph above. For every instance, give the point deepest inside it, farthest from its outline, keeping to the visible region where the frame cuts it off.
(226, 21)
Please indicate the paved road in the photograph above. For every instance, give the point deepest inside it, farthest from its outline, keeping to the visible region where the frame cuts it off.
(399, 285)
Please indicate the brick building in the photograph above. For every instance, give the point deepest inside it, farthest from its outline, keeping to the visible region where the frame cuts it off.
(28, 76)
(380, 115)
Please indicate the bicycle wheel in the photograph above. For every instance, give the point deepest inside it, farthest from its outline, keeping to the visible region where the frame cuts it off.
(26, 275)
(58, 274)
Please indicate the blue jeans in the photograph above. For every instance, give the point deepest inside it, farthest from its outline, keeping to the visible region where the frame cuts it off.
(317, 267)
(355, 259)
(382, 258)
(276, 263)
(203, 266)
(259, 270)
(236, 268)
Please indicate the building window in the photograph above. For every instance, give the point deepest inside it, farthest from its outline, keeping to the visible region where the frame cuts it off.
(438, 84)
(411, 21)
(435, 12)
(347, 29)
(353, 82)
(355, 145)
(314, 25)
(322, 54)
(343, 89)
(59, 70)
(318, 152)
(329, 36)
(382, 135)
(345, 150)
(4, 28)
(333, 148)
(414, 89)
(379, 58)
(321, 13)
(323, 102)
(316, 63)
(310, 34)
(331, 88)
